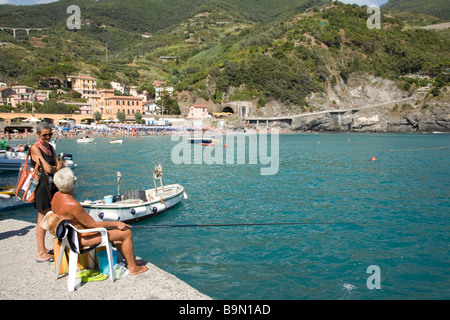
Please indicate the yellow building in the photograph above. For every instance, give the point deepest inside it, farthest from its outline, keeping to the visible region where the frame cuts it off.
(84, 84)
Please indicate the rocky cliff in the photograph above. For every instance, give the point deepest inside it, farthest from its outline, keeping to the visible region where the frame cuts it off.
(365, 104)
(362, 104)
(382, 119)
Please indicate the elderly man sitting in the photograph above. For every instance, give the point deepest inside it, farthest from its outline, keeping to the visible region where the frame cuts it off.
(68, 208)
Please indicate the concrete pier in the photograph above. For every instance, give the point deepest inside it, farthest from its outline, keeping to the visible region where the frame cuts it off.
(22, 278)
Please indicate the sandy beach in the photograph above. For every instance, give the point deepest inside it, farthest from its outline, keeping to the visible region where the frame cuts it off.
(22, 278)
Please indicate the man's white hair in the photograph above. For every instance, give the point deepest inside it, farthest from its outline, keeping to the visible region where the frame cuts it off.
(63, 179)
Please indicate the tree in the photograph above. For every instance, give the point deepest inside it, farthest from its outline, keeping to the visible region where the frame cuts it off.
(53, 106)
(138, 117)
(435, 91)
(97, 116)
(64, 69)
(120, 116)
(169, 104)
(331, 38)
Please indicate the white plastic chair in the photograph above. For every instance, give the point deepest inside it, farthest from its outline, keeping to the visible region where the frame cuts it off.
(73, 257)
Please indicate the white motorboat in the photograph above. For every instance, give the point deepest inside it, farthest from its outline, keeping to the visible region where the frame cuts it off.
(85, 140)
(8, 199)
(66, 160)
(135, 205)
(202, 140)
(11, 160)
(118, 141)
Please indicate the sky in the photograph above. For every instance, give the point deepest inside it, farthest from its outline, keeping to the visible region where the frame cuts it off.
(25, 2)
(363, 2)
(31, 2)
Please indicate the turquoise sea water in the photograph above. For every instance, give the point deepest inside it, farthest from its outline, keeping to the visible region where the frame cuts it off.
(392, 213)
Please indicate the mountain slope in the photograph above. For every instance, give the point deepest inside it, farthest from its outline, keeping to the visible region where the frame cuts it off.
(130, 15)
(306, 54)
(117, 25)
(219, 55)
(146, 15)
(437, 8)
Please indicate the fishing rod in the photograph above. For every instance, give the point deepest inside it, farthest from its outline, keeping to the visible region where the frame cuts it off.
(408, 150)
(238, 224)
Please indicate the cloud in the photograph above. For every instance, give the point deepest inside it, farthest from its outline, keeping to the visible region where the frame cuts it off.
(31, 2)
(365, 2)
(26, 2)
(44, 1)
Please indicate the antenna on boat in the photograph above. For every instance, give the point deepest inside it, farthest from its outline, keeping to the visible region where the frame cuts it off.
(157, 175)
(119, 175)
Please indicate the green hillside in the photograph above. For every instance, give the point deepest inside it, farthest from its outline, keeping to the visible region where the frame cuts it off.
(147, 15)
(289, 60)
(436, 8)
(227, 50)
(118, 25)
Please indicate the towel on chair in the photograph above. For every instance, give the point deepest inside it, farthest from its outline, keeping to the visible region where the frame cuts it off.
(65, 229)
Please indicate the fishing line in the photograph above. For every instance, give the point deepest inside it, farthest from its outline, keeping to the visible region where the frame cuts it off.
(408, 150)
(239, 224)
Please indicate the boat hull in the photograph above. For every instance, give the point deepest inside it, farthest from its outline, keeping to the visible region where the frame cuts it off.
(201, 140)
(12, 203)
(9, 201)
(134, 210)
(10, 163)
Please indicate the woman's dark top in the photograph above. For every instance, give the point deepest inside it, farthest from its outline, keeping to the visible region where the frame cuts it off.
(42, 201)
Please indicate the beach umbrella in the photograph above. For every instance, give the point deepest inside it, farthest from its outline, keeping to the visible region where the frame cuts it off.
(31, 119)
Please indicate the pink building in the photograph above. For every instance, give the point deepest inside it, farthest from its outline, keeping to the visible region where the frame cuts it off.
(42, 95)
(197, 111)
(22, 94)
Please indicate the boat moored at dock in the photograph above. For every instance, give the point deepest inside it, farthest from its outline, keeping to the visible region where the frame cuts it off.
(8, 199)
(136, 205)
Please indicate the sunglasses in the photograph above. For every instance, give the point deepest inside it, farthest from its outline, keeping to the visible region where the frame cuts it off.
(47, 134)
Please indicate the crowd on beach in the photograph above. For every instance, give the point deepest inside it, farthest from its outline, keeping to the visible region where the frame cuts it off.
(115, 131)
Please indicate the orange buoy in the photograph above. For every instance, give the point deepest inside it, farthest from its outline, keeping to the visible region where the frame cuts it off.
(20, 148)
(224, 145)
(373, 159)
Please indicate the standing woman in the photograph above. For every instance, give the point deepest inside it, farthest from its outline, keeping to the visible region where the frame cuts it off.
(42, 150)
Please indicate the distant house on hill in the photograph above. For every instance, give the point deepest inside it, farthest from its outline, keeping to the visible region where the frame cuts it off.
(5, 94)
(50, 82)
(42, 95)
(197, 111)
(166, 58)
(162, 88)
(84, 84)
(117, 86)
(151, 108)
(23, 94)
